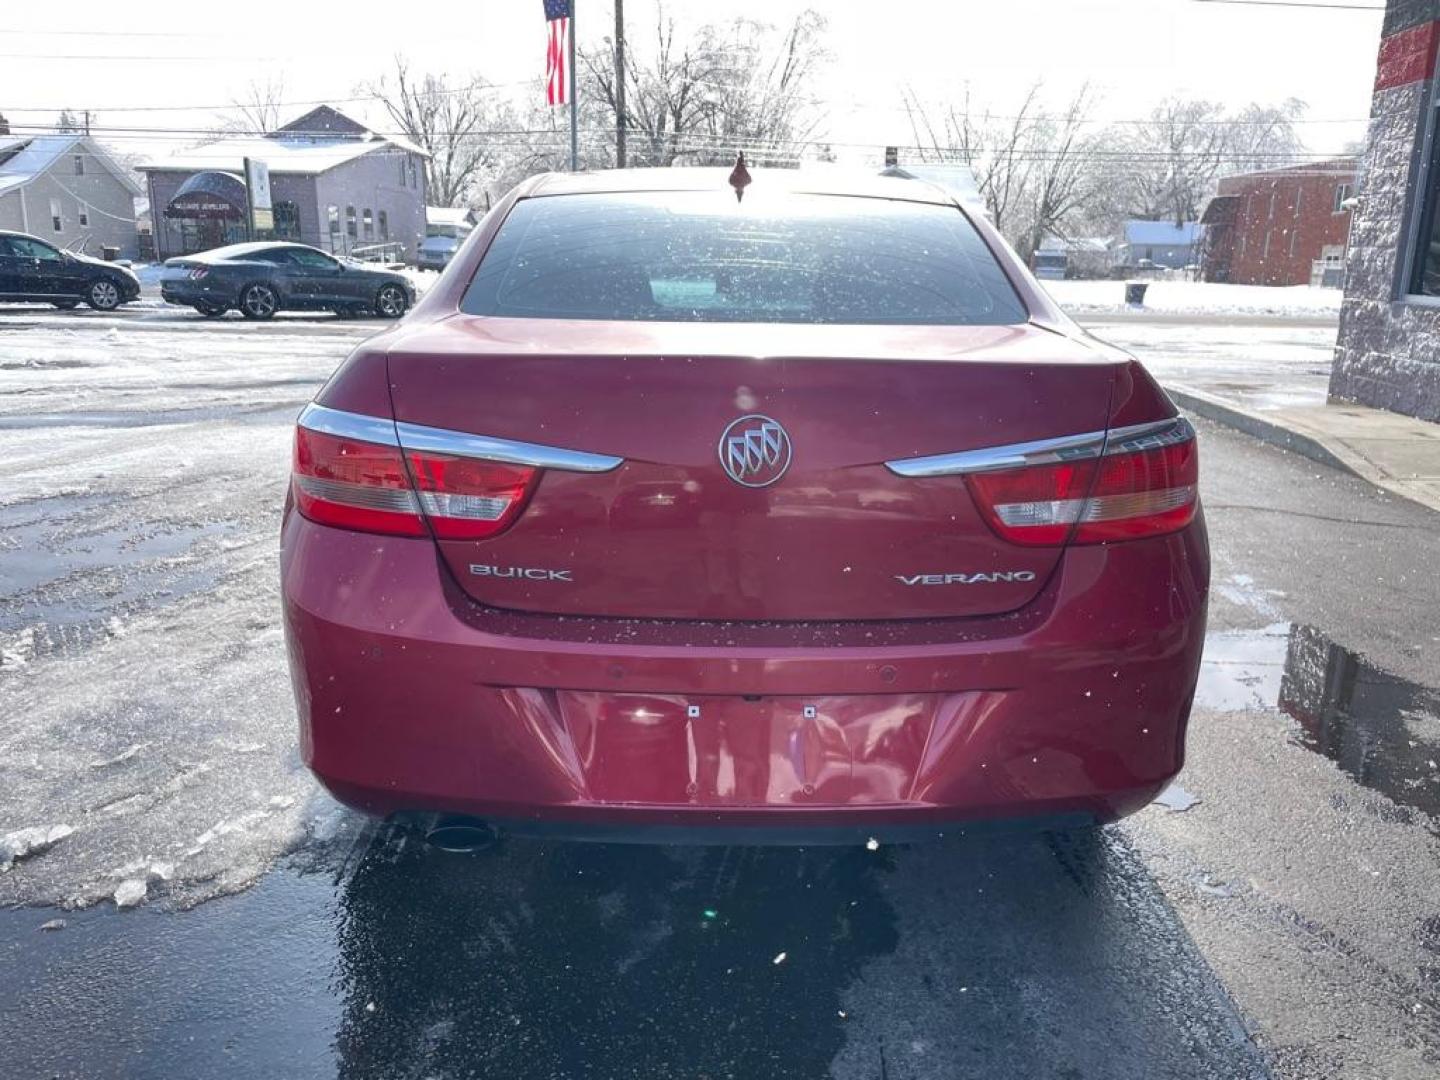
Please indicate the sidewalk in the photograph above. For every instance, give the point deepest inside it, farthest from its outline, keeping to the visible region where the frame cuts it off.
(1391, 451)
(1269, 379)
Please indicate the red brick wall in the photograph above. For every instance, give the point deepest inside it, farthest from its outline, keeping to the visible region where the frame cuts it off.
(1408, 56)
(1295, 209)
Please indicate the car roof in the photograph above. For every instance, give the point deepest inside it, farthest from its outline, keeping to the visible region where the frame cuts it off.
(812, 181)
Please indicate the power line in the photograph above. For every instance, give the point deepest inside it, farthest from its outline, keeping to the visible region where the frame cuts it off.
(696, 141)
(105, 33)
(1294, 4)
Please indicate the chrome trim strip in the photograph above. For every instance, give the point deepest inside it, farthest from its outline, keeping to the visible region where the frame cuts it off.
(348, 425)
(994, 458)
(1153, 436)
(374, 429)
(1091, 444)
(463, 444)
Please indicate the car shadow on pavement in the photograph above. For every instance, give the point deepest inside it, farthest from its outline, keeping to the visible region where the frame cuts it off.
(1009, 956)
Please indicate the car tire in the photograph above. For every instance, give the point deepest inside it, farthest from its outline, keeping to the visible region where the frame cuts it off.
(67, 305)
(258, 301)
(211, 311)
(391, 302)
(102, 294)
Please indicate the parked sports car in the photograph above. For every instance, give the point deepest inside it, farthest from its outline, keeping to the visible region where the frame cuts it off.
(34, 271)
(807, 516)
(262, 278)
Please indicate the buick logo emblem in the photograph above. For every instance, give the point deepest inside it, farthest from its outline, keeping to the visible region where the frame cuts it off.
(755, 451)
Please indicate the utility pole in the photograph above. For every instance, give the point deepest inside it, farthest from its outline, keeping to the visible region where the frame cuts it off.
(574, 95)
(620, 84)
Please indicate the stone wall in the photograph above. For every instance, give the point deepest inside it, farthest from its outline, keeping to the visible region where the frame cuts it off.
(1388, 353)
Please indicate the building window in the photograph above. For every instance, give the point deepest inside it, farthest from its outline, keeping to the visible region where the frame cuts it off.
(56, 222)
(332, 220)
(84, 216)
(403, 159)
(410, 161)
(1423, 265)
(384, 226)
(287, 220)
(369, 224)
(350, 222)
(79, 164)
(1342, 194)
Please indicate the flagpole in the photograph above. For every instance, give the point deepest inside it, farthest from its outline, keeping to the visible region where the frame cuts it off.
(574, 98)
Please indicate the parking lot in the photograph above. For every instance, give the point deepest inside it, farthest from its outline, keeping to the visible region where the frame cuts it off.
(222, 917)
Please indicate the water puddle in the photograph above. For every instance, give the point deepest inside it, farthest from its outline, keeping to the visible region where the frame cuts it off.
(73, 564)
(1382, 730)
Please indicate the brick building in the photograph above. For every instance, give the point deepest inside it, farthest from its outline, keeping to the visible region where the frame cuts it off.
(1280, 227)
(1388, 354)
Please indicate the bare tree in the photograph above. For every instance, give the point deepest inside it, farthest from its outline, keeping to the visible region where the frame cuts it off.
(1034, 169)
(1167, 167)
(259, 107)
(698, 99)
(455, 121)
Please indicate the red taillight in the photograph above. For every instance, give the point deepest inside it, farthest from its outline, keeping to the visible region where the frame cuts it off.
(199, 272)
(1121, 496)
(353, 484)
(466, 499)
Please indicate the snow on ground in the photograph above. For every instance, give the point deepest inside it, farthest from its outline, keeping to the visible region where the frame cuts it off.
(1258, 366)
(143, 702)
(1197, 298)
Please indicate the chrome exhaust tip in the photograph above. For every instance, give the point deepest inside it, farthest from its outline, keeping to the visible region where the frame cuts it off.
(462, 835)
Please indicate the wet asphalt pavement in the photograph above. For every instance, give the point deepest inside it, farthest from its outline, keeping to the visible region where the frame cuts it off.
(1281, 916)
(1014, 957)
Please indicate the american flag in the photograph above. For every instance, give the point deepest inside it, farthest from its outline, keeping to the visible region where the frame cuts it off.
(557, 55)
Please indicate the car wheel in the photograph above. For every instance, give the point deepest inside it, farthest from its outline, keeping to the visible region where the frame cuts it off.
(391, 302)
(211, 311)
(67, 305)
(258, 301)
(103, 295)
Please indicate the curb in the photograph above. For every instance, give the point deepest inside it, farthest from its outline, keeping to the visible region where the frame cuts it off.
(1316, 447)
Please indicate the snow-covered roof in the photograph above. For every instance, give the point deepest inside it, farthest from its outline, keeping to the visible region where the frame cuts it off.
(316, 142)
(27, 156)
(283, 155)
(1094, 245)
(449, 215)
(327, 120)
(958, 181)
(1162, 233)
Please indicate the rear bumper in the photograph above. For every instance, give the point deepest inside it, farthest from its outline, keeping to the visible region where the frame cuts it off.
(189, 293)
(412, 698)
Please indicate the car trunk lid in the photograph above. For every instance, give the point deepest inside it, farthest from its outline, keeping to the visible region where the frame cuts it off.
(671, 534)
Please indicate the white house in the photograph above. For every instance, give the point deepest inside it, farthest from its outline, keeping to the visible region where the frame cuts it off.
(66, 189)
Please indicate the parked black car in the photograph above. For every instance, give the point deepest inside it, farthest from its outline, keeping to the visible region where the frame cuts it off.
(34, 271)
(262, 278)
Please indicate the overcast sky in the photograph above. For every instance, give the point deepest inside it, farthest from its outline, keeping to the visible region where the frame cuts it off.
(109, 57)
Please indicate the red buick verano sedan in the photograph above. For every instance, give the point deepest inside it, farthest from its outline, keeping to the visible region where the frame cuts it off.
(805, 515)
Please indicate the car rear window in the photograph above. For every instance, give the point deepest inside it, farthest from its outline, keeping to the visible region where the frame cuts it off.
(703, 257)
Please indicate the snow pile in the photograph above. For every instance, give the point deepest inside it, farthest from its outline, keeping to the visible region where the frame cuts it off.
(32, 841)
(1197, 298)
